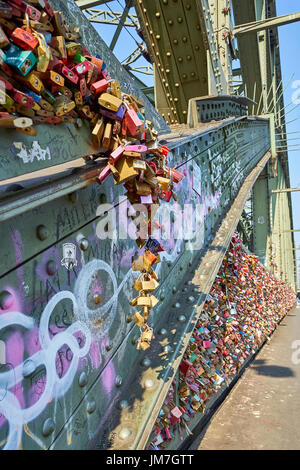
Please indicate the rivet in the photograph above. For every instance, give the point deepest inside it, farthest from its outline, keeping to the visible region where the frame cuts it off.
(191, 299)
(48, 427)
(123, 404)
(91, 406)
(193, 74)
(188, 6)
(51, 267)
(124, 433)
(128, 319)
(163, 332)
(102, 199)
(176, 305)
(109, 347)
(184, 39)
(157, 36)
(118, 381)
(84, 244)
(6, 300)
(168, 70)
(177, 85)
(157, 14)
(180, 20)
(197, 47)
(176, 100)
(170, 22)
(83, 379)
(42, 232)
(146, 362)
(73, 197)
(162, 297)
(149, 383)
(167, 348)
(168, 54)
(184, 75)
(175, 41)
(184, 112)
(180, 59)
(181, 318)
(165, 2)
(189, 57)
(28, 368)
(174, 289)
(97, 298)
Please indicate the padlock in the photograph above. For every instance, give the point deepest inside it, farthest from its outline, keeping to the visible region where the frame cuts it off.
(99, 87)
(52, 77)
(138, 263)
(70, 74)
(163, 182)
(106, 140)
(48, 96)
(149, 285)
(32, 12)
(61, 25)
(63, 105)
(4, 41)
(125, 168)
(22, 99)
(98, 62)
(73, 48)
(5, 10)
(103, 175)
(116, 154)
(133, 123)
(115, 116)
(59, 43)
(136, 148)
(5, 100)
(78, 98)
(83, 87)
(147, 335)
(143, 345)
(22, 61)
(92, 75)
(66, 92)
(139, 165)
(138, 319)
(115, 89)
(78, 58)
(142, 189)
(24, 39)
(109, 102)
(83, 68)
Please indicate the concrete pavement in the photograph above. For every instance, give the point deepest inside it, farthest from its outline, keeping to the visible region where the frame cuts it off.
(263, 409)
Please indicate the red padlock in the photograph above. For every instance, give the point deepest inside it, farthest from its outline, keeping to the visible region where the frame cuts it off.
(24, 39)
(133, 123)
(99, 87)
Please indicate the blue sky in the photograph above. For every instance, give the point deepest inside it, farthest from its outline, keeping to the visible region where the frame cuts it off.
(289, 37)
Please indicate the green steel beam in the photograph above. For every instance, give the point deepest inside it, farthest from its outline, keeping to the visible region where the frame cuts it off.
(121, 24)
(267, 23)
(84, 4)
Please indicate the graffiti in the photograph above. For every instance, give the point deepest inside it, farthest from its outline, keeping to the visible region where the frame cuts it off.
(29, 155)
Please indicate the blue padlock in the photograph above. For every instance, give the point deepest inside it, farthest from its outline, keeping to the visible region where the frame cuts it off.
(20, 60)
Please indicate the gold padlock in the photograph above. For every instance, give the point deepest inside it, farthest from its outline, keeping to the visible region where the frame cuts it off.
(138, 319)
(147, 335)
(149, 285)
(109, 102)
(107, 136)
(143, 345)
(97, 132)
(142, 189)
(144, 302)
(126, 170)
(115, 89)
(138, 264)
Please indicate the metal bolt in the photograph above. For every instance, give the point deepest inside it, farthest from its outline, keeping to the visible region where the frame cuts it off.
(146, 362)
(83, 379)
(191, 299)
(118, 381)
(48, 427)
(124, 433)
(176, 305)
(157, 14)
(181, 318)
(42, 232)
(73, 197)
(149, 383)
(91, 406)
(84, 244)
(51, 267)
(163, 332)
(123, 404)
(6, 300)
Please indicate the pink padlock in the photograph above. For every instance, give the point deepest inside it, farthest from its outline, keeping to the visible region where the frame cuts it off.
(104, 174)
(133, 123)
(83, 68)
(136, 148)
(116, 154)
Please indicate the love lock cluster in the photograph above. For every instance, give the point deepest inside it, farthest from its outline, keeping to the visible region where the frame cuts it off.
(145, 284)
